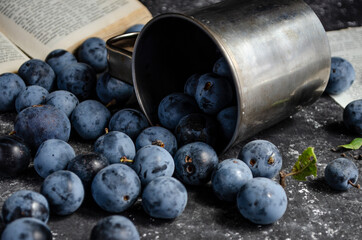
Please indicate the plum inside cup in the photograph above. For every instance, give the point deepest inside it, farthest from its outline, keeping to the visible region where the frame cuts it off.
(215, 97)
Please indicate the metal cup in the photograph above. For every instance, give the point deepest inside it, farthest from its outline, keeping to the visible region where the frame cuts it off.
(277, 50)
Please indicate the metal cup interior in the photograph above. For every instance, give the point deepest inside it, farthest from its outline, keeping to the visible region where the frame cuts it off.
(166, 54)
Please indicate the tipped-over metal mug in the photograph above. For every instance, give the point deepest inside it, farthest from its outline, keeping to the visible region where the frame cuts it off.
(277, 50)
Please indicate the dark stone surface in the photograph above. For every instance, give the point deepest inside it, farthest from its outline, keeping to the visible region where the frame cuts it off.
(314, 210)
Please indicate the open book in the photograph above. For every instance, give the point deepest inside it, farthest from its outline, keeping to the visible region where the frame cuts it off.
(37, 27)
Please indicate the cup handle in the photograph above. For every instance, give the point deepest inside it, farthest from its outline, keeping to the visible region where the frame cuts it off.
(119, 50)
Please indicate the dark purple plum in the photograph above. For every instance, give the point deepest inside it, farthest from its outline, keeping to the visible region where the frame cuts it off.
(38, 124)
(228, 177)
(58, 59)
(195, 162)
(159, 136)
(63, 100)
(27, 229)
(111, 89)
(213, 93)
(152, 162)
(191, 84)
(94, 53)
(37, 72)
(114, 228)
(221, 68)
(15, 156)
(79, 79)
(227, 119)
(129, 121)
(341, 174)
(262, 157)
(114, 146)
(64, 192)
(197, 127)
(352, 116)
(31, 95)
(341, 77)
(25, 203)
(86, 166)
(164, 197)
(89, 119)
(262, 201)
(10, 87)
(115, 188)
(175, 106)
(52, 155)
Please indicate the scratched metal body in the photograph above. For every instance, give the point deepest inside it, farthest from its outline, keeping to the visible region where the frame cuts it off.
(278, 52)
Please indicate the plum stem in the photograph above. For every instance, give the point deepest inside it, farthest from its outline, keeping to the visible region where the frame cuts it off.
(124, 159)
(158, 143)
(354, 185)
(283, 175)
(111, 103)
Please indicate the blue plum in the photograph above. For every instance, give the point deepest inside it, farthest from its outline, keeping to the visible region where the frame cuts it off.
(111, 89)
(10, 87)
(135, 28)
(262, 201)
(25, 203)
(93, 52)
(115, 188)
(64, 191)
(352, 116)
(195, 162)
(51, 156)
(175, 106)
(79, 79)
(37, 72)
(262, 157)
(58, 59)
(15, 156)
(164, 197)
(90, 118)
(341, 174)
(31, 95)
(114, 228)
(213, 93)
(221, 68)
(38, 124)
(86, 166)
(115, 145)
(227, 119)
(129, 121)
(159, 136)
(151, 162)
(27, 229)
(191, 84)
(197, 127)
(341, 77)
(63, 100)
(228, 177)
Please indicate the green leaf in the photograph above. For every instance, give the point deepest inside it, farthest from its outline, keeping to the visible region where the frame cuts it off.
(355, 144)
(305, 166)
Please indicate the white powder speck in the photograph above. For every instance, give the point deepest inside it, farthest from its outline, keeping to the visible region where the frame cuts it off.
(330, 232)
(303, 190)
(315, 123)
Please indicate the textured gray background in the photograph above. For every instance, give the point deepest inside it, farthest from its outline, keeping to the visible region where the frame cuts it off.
(314, 210)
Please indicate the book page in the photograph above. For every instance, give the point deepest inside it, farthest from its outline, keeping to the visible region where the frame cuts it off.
(40, 26)
(11, 57)
(347, 43)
